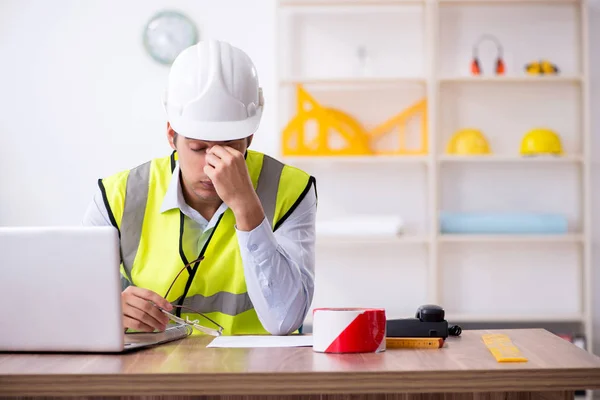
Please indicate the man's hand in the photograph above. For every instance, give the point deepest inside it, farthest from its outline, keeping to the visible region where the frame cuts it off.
(140, 313)
(226, 168)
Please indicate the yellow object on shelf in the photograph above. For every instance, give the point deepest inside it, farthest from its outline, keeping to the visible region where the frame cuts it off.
(400, 121)
(542, 67)
(356, 140)
(502, 348)
(541, 141)
(468, 141)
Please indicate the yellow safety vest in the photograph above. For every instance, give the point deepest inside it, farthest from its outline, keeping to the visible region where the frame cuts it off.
(153, 248)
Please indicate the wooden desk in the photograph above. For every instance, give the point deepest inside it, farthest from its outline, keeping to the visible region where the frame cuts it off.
(464, 369)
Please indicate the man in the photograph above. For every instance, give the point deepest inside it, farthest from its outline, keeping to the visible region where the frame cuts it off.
(214, 229)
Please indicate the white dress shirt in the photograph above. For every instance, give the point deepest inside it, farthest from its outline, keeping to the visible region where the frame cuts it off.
(278, 266)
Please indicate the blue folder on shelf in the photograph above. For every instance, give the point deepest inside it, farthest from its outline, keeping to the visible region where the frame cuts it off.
(503, 223)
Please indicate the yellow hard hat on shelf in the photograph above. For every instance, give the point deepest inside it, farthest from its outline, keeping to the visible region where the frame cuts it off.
(541, 141)
(468, 141)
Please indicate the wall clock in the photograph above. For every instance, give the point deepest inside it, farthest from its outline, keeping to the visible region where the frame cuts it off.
(167, 34)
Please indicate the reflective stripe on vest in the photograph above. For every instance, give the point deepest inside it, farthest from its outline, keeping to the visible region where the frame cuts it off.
(136, 196)
(225, 302)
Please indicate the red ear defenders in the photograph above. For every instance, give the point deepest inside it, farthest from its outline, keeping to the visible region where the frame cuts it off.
(476, 64)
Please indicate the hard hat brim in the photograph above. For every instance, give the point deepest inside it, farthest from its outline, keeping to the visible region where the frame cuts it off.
(217, 131)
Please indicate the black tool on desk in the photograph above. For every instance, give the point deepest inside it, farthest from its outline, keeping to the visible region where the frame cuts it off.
(428, 322)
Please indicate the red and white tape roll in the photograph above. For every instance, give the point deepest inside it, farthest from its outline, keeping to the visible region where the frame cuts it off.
(349, 330)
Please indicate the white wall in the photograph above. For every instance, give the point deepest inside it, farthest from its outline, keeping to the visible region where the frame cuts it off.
(81, 99)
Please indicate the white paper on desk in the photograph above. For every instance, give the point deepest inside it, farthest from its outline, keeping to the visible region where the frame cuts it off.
(262, 341)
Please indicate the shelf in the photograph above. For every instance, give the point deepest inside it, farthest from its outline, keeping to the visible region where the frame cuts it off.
(355, 159)
(509, 2)
(512, 79)
(511, 159)
(359, 81)
(370, 240)
(350, 7)
(565, 318)
(510, 238)
(449, 238)
(349, 3)
(375, 3)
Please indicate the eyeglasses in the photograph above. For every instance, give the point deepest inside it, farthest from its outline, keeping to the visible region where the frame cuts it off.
(187, 321)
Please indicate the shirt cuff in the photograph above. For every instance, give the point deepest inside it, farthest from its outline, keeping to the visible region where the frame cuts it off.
(260, 242)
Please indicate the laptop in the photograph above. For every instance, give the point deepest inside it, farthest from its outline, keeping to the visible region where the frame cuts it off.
(60, 291)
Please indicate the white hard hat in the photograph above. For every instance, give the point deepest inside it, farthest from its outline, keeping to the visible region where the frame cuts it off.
(213, 93)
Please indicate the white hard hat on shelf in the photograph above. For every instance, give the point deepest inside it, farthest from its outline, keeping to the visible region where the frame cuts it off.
(213, 93)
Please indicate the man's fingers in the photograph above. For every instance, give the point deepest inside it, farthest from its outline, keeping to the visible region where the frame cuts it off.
(223, 153)
(141, 317)
(210, 171)
(213, 160)
(156, 318)
(232, 151)
(149, 309)
(131, 323)
(150, 296)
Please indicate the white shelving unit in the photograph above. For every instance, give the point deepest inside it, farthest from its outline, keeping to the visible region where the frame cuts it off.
(422, 49)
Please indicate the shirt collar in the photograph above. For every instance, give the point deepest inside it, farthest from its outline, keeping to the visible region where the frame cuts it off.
(174, 196)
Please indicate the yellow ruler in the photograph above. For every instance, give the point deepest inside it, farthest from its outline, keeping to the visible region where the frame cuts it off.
(413, 343)
(502, 348)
